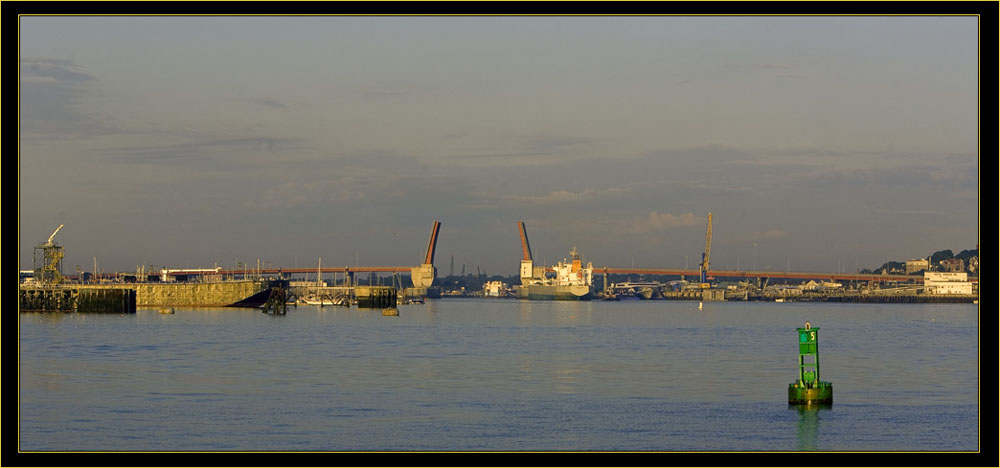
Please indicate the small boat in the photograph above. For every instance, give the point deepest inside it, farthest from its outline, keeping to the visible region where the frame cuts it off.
(326, 301)
(780, 299)
(390, 312)
(315, 301)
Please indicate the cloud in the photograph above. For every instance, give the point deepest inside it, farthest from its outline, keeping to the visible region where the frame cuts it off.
(504, 160)
(519, 151)
(566, 196)
(905, 212)
(300, 193)
(769, 234)
(265, 102)
(550, 143)
(455, 135)
(381, 162)
(53, 70)
(378, 178)
(205, 154)
(382, 94)
(51, 91)
(664, 221)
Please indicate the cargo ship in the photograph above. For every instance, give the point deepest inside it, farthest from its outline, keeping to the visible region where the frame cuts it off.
(571, 281)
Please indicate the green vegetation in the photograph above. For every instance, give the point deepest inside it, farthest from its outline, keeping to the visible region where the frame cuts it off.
(970, 259)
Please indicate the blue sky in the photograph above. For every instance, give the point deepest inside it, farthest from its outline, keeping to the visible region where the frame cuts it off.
(829, 142)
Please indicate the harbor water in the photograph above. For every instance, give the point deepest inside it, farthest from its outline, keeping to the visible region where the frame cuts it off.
(500, 375)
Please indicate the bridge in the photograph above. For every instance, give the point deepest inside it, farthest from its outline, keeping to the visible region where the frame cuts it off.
(714, 274)
(422, 275)
(769, 274)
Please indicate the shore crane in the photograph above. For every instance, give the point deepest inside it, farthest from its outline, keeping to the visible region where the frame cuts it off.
(48, 260)
(49, 242)
(707, 253)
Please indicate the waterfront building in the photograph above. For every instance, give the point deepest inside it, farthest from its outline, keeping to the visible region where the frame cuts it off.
(913, 266)
(947, 283)
(952, 265)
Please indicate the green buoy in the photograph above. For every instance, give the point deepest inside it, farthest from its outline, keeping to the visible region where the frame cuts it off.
(809, 389)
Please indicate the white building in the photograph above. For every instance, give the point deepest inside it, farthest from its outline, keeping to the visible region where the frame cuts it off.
(812, 285)
(947, 283)
(495, 289)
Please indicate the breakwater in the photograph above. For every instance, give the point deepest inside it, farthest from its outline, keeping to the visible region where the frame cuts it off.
(74, 299)
(245, 293)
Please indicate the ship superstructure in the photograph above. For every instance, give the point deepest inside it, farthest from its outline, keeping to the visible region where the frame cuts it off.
(571, 280)
(573, 273)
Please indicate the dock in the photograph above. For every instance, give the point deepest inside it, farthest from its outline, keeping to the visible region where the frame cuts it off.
(75, 299)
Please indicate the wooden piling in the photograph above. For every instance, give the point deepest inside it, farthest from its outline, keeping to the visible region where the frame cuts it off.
(67, 299)
(277, 302)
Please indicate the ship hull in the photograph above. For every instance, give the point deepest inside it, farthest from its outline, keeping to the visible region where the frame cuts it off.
(555, 293)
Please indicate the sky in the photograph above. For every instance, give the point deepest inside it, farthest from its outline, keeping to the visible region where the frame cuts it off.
(818, 143)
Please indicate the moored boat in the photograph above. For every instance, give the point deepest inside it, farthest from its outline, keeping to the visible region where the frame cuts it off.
(322, 301)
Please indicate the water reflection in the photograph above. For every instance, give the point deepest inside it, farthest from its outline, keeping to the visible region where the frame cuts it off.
(560, 313)
(479, 375)
(807, 430)
(48, 317)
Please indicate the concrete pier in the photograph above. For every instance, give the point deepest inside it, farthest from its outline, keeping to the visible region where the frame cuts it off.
(193, 294)
(376, 297)
(72, 299)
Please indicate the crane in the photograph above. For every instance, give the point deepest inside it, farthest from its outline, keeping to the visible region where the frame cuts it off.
(49, 242)
(707, 253)
(48, 260)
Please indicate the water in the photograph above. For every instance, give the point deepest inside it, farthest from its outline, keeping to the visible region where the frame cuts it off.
(500, 375)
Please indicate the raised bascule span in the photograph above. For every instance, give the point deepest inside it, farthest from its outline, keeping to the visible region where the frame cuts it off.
(423, 275)
(708, 252)
(525, 246)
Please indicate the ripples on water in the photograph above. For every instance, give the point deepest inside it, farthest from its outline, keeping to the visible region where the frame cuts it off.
(499, 375)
